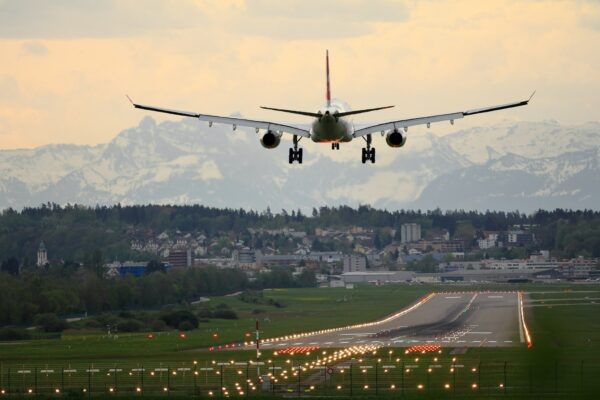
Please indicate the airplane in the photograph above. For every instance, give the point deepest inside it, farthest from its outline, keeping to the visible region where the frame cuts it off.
(330, 124)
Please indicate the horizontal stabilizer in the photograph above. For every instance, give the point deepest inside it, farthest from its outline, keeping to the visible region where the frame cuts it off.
(308, 114)
(366, 110)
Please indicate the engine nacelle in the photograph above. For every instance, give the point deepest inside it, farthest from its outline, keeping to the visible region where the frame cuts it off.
(395, 138)
(270, 139)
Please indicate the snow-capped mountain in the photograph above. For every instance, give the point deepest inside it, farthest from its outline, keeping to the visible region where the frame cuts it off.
(525, 166)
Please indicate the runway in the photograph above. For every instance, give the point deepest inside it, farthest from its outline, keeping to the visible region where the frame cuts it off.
(466, 319)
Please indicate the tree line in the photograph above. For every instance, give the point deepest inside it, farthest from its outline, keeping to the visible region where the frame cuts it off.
(76, 290)
(85, 234)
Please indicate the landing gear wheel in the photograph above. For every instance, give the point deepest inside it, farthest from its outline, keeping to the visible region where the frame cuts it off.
(335, 146)
(368, 153)
(295, 153)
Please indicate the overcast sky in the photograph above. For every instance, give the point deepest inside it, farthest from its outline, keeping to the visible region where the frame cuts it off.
(66, 65)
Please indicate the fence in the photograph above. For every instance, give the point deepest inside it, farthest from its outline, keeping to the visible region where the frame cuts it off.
(295, 377)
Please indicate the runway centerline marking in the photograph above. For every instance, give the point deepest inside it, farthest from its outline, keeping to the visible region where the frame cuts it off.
(357, 334)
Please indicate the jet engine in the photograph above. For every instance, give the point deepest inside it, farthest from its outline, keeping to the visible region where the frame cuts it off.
(270, 139)
(395, 138)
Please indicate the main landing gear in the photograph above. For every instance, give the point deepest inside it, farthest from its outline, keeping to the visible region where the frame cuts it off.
(295, 152)
(335, 146)
(368, 153)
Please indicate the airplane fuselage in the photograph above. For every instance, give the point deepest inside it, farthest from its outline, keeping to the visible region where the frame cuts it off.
(329, 128)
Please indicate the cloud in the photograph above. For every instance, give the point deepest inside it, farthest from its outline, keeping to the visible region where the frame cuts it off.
(64, 19)
(216, 56)
(35, 48)
(310, 19)
(347, 10)
(9, 89)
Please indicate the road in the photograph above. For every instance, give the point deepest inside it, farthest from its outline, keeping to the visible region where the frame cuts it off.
(469, 319)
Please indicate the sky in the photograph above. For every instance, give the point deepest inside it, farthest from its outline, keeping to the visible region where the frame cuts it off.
(66, 65)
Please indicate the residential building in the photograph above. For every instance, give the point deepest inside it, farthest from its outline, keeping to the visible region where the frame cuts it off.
(520, 238)
(441, 246)
(245, 256)
(354, 263)
(180, 258)
(410, 233)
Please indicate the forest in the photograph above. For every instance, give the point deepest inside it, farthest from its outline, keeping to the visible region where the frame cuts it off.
(74, 290)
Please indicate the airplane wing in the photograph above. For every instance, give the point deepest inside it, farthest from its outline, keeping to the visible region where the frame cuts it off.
(405, 123)
(235, 122)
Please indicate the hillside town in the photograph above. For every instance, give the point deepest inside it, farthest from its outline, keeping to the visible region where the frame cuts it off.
(341, 257)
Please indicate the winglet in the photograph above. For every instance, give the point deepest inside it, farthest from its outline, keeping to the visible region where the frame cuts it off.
(129, 98)
(531, 97)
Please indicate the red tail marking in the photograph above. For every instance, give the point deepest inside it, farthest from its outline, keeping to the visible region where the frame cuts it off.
(328, 87)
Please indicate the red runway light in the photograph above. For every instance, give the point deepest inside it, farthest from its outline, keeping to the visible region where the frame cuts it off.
(423, 348)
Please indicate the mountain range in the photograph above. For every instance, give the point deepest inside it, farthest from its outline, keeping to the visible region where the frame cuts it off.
(506, 166)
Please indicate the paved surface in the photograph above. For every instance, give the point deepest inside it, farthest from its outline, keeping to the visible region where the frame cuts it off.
(450, 319)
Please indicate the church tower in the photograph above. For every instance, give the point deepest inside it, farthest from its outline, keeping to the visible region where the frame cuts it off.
(42, 255)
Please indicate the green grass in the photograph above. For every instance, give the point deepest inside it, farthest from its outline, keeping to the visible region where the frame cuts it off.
(305, 310)
(565, 352)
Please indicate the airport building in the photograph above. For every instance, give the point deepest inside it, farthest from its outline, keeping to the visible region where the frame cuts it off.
(135, 268)
(377, 277)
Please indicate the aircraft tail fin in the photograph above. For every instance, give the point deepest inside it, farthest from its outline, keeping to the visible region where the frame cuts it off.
(328, 93)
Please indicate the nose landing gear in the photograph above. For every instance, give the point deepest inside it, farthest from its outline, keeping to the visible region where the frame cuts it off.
(368, 153)
(295, 152)
(335, 146)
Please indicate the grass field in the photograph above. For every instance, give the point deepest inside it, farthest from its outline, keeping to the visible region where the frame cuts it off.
(305, 310)
(565, 357)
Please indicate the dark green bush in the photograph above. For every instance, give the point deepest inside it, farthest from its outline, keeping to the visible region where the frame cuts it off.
(11, 333)
(129, 325)
(50, 323)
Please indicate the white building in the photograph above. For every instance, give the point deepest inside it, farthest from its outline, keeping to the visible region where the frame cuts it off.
(488, 243)
(410, 233)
